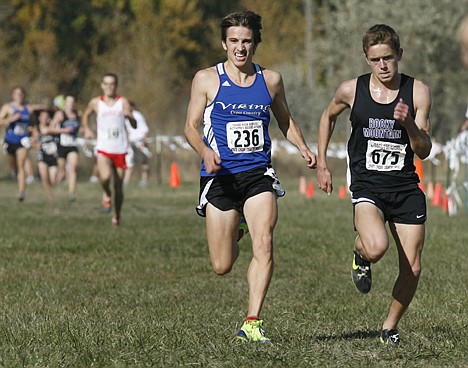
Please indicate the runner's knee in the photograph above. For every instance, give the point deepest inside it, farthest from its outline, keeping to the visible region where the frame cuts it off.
(375, 248)
(263, 247)
(412, 272)
(221, 268)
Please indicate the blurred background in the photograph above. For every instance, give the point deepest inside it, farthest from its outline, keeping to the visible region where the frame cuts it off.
(55, 47)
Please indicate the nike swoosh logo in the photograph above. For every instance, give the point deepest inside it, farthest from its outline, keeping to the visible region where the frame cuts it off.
(419, 216)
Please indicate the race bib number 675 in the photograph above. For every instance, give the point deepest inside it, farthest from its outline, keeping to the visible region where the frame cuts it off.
(245, 136)
(385, 156)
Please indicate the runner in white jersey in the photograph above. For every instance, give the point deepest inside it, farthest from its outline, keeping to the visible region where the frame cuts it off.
(111, 133)
(111, 141)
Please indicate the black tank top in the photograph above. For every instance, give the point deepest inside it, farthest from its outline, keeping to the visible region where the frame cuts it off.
(380, 157)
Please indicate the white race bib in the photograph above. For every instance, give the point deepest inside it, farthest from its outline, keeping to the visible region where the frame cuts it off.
(49, 148)
(67, 140)
(26, 142)
(113, 134)
(245, 136)
(385, 156)
(20, 129)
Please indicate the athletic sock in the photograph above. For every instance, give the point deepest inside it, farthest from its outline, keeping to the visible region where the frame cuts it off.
(252, 318)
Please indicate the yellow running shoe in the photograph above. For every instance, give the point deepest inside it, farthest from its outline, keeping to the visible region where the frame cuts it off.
(390, 337)
(361, 273)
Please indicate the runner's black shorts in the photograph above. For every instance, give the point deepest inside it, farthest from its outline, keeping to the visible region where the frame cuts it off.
(406, 207)
(229, 192)
(139, 156)
(49, 160)
(11, 148)
(63, 151)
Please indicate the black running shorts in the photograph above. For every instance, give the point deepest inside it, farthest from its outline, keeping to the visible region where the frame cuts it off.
(11, 148)
(229, 192)
(406, 207)
(63, 151)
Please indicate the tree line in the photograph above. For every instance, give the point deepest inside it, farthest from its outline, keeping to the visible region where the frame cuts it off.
(155, 46)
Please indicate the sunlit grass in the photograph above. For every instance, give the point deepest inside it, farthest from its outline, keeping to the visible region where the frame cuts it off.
(76, 292)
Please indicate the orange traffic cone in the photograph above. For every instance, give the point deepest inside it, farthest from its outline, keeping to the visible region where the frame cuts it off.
(342, 192)
(418, 164)
(302, 185)
(174, 180)
(437, 197)
(445, 203)
(422, 187)
(310, 190)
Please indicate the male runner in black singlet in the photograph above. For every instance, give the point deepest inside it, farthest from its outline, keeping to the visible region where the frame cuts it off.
(390, 123)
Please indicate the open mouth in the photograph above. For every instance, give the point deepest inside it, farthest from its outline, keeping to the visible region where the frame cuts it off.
(240, 56)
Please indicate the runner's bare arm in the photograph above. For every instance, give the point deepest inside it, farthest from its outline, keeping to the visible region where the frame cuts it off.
(90, 109)
(418, 129)
(201, 84)
(343, 99)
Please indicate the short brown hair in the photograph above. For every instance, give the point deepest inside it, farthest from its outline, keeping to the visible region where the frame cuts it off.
(113, 75)
(381, 34)
(244, 18)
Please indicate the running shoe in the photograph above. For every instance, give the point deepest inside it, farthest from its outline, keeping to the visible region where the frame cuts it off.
(390, 337)
(115, 221)
(243, 228)
(21, 196)
(252, 331)
(361, 273)
(106, 203)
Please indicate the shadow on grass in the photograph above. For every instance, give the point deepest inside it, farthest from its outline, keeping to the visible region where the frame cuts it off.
(350, 335)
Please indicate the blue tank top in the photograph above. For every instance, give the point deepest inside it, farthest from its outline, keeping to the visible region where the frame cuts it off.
(18, 129)
(236, 124)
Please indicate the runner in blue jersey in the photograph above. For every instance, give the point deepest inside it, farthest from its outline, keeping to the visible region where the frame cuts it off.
(390, 123)
(16, 116)
(234, 99)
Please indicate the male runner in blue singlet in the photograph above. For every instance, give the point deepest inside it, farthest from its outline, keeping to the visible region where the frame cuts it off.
(234, 99)
(390, 123)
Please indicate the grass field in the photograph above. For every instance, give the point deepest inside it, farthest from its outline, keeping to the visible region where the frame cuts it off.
(75, 292)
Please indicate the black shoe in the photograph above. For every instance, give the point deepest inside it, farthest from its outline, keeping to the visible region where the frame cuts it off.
(361, 273)
(390, 337)
(243, 228)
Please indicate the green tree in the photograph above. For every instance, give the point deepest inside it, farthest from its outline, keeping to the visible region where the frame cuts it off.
(427, 31)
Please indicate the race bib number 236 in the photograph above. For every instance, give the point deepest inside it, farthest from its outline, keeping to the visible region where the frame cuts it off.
(245, 136)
